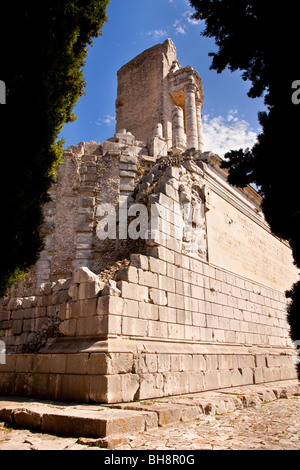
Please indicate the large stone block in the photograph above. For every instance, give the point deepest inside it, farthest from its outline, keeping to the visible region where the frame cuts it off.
(129, 274)
(158, 329)
(147, 278)
(73, 291)
(109, 305)
(133, 291)
(148, 311)
(175, 300)
(139, 261)
(15, 303)
(111, 289)
(74, 388)
(7, 383)
(89, 326)
(176, 383)
(196, 381)
(98, 364)
(162, 253)
(68, 327)
(83, 308)
(145, 363)
(157, 266)
(151, 385)
(212, 379)
(84, 274)
(113, 388)
(166, 283)
(91, 289)
(135, 326)
(157, 296)
(167, 314)
(77, 363)
(120, 363)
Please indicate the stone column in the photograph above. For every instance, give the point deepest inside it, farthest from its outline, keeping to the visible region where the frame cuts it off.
(199, 126)
(178, 134)
(191, 116)
(158, 131)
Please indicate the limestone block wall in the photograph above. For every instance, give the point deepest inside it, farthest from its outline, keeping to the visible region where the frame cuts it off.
(90, 175)
(140, 338)
(169, 322)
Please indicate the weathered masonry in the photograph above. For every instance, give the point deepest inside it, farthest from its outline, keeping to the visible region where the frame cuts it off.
(194, 302)
(159, 102)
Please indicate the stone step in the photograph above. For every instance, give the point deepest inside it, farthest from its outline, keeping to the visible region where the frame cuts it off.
(113, 424)
(108, 426)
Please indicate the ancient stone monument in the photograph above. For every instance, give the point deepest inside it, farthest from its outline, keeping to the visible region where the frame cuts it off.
(157, 277)
(157, 98)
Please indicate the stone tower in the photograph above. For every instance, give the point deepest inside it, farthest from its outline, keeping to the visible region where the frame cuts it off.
(157, 98)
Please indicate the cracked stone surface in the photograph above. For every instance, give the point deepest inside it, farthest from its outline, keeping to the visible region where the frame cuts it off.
(274, 425)
(271, 426)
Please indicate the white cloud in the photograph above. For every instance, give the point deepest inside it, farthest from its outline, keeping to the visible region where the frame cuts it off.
(231, 116)
(193, 21)
(108, 120)
(222, 134)
(180, 29)
(157, 34)
(182, 23)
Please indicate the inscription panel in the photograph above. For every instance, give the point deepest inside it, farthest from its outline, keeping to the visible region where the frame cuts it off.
(238, 244)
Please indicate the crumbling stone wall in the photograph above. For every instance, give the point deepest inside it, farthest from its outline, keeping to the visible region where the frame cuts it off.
(194, 302)
(142, 99)
(154, 90)
(165, 322)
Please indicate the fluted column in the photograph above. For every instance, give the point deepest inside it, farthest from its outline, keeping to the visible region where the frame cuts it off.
(178, 134)
(199, 126)
(191, 116)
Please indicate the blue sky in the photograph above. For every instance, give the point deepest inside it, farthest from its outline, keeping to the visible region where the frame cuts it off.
(230, 117)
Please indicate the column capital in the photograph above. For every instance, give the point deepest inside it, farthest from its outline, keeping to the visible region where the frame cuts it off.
(177, 110)
(191, 87)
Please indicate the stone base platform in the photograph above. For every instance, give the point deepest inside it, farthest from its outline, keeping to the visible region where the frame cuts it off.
(122, 370)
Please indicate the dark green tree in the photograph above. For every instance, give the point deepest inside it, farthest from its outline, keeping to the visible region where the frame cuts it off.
(259, 37)
(44, 45)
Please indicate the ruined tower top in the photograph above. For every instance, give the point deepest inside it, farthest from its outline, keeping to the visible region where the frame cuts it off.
(157, 98)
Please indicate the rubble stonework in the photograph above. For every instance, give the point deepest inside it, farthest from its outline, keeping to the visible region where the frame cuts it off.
(195, 302)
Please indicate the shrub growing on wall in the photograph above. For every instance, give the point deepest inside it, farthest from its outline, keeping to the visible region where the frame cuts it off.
(43, 50)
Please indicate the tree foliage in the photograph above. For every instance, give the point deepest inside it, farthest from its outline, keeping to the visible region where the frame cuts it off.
(43, 50)
(258, 37)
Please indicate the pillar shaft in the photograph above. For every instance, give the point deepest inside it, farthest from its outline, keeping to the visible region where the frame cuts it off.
(199, 126)
(191, 116)
(178, 134)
